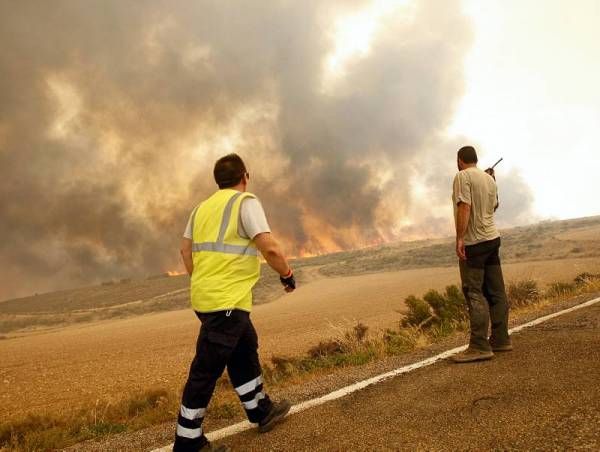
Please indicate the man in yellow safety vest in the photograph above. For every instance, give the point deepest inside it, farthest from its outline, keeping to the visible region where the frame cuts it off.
(220, 252)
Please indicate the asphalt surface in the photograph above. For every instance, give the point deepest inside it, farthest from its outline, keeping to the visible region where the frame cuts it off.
(545, 395)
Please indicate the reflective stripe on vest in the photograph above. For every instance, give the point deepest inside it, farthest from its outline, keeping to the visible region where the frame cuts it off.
(219, 246)
(224, 248)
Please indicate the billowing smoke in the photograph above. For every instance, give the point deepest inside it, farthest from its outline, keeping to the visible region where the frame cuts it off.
(516, 201)
(112, 114)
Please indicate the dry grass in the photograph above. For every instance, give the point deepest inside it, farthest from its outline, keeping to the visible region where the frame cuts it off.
(43, 432)
(434, 316)
(430, 318)
(139, 410)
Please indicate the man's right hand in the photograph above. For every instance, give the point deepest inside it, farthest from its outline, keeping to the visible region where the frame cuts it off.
(288, 281)
(491, 172)
(460, 249)
(272, 253)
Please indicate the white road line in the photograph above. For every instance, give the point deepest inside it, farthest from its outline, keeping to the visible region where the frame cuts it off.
(243, 426)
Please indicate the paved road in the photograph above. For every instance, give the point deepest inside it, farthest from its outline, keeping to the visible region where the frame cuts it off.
(543, 396)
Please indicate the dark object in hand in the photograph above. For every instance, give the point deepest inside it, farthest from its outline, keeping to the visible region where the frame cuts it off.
(288, 281)
(491, 172)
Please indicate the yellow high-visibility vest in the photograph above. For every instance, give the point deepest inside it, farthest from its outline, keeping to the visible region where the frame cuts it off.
(226, 265)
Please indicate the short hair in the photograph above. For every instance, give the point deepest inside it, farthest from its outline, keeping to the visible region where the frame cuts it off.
(229, 171)
(467, 154)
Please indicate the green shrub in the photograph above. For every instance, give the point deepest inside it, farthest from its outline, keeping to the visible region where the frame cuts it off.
(436, 308)
(449, 307)
(418, 311)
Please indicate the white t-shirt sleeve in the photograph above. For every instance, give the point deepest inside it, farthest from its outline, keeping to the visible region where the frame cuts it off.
(253, 220)
(188, 229)
(462, 188)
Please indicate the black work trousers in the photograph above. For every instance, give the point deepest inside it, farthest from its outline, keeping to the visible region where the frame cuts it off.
(483, 287)
(226, 339)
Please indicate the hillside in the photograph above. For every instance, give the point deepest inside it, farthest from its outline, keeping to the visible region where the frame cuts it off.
(579, 238)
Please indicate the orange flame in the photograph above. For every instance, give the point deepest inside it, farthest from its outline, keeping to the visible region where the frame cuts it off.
(174, 273)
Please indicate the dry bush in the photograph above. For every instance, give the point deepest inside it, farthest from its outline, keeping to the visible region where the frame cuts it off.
(561, 289)
(358, 333)
(326, 348)
(404, 340)
(523, 293)
(282, 366)
(350, 349)
(586, 279)
(588, 282)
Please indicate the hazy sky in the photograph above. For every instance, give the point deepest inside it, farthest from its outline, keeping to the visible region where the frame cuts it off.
(532, 94)
(533, 97)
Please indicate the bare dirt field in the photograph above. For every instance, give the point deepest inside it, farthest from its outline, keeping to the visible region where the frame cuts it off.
(76, 365)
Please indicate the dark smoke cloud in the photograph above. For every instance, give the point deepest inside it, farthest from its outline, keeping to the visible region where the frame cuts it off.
(112, 114)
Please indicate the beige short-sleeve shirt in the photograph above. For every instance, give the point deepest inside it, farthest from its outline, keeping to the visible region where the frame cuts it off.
(477, 189)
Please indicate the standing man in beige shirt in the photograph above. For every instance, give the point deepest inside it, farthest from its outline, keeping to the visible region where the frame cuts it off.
(475, 199)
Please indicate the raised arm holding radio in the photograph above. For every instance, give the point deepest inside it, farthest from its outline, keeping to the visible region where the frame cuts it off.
(220, 250)
(491, 170)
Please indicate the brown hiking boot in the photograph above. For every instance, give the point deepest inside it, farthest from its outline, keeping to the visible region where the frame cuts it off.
(278, 412)
(471, 355)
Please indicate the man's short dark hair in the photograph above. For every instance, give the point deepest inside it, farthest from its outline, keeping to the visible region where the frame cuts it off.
(229, 171)
(467, 154)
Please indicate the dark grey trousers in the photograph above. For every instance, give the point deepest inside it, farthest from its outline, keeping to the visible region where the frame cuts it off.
(483, 287)
(226, 340)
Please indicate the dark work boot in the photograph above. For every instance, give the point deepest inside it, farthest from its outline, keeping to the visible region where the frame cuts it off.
(502, 348)
(277, 413)
(471, 355)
